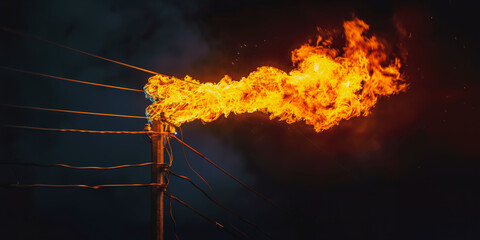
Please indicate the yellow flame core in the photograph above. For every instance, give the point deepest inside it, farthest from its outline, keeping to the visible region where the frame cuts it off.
(323, 89)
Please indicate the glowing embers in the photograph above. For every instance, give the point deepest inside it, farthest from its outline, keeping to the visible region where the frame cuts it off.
(323, 89)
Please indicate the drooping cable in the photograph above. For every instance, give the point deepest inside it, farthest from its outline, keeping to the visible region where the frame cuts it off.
(81, 185)
(191, 168)
(202, 215)
(75, 167)
(208, 185)
(231, 176)
(74, 50)
(82, 52)
(77, 130)
(169, 150)
(219, 203)
(68, 79)
(173, 218)
(71, 111)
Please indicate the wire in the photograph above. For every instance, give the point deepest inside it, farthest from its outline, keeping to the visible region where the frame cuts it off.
(219, 203)
(81, 131)
(231, 176)
(191, 168)
(70, 111)
(173, 219)
(73, 49)
(81, 185)
(169, 151)
(206, 183)
(74, 167)
(238, 230)
(68, 79)
(200, 214)
(82, 52)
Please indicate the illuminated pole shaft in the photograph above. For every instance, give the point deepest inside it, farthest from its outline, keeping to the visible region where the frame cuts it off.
(157, 176)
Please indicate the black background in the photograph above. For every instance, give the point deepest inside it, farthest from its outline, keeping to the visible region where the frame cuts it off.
(407, 171)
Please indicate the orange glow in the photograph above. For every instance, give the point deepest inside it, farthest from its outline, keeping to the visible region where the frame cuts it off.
(323, 88)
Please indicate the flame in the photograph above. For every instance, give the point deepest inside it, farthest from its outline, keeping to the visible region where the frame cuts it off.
(323, 88)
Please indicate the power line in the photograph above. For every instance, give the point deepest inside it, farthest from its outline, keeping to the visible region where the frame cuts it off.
(71, 111)
(200, 214)
(86, 53)
(219, 203)
(75, 50)
(67, 79)
(171, 135)
(169, 152)
(75, 167)
(231, 176)
(78, 130)
(152, 184)
(133, 165)
(173, 218)
(81, 185)
(191, 168)
(208, 185)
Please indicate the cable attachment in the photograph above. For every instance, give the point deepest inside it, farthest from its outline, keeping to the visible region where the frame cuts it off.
(168, 126)
(166, 129)
(148, 130)
(162, 169)
(170, 129)
(162, 166)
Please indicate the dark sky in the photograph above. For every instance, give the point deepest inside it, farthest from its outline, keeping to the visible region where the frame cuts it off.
(407, 171)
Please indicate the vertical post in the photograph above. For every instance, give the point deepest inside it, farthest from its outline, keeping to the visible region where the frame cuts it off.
(157, 176)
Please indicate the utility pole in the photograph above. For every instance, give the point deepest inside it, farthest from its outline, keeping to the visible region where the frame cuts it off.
(157, 176)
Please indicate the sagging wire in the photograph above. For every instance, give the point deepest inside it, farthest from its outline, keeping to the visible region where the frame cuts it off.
(234, 178)
(81, 185)
(118, 185)
(206, 183)
(71, 111)
(169, 150)
(85, 53)
(218, 203)
(74, 50)
(191, 168)
(173, 218)
(80, 130)
(75, 167)
(68, 79)
(216, 223)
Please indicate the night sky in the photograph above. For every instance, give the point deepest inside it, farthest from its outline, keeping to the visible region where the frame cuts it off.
(409, 170)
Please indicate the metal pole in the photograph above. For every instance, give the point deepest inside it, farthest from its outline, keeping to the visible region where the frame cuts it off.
(157, 176)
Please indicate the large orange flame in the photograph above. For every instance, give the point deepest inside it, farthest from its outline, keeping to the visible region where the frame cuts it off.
(323, 89)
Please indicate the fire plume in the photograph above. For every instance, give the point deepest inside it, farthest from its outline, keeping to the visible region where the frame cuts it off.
(323, 88)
